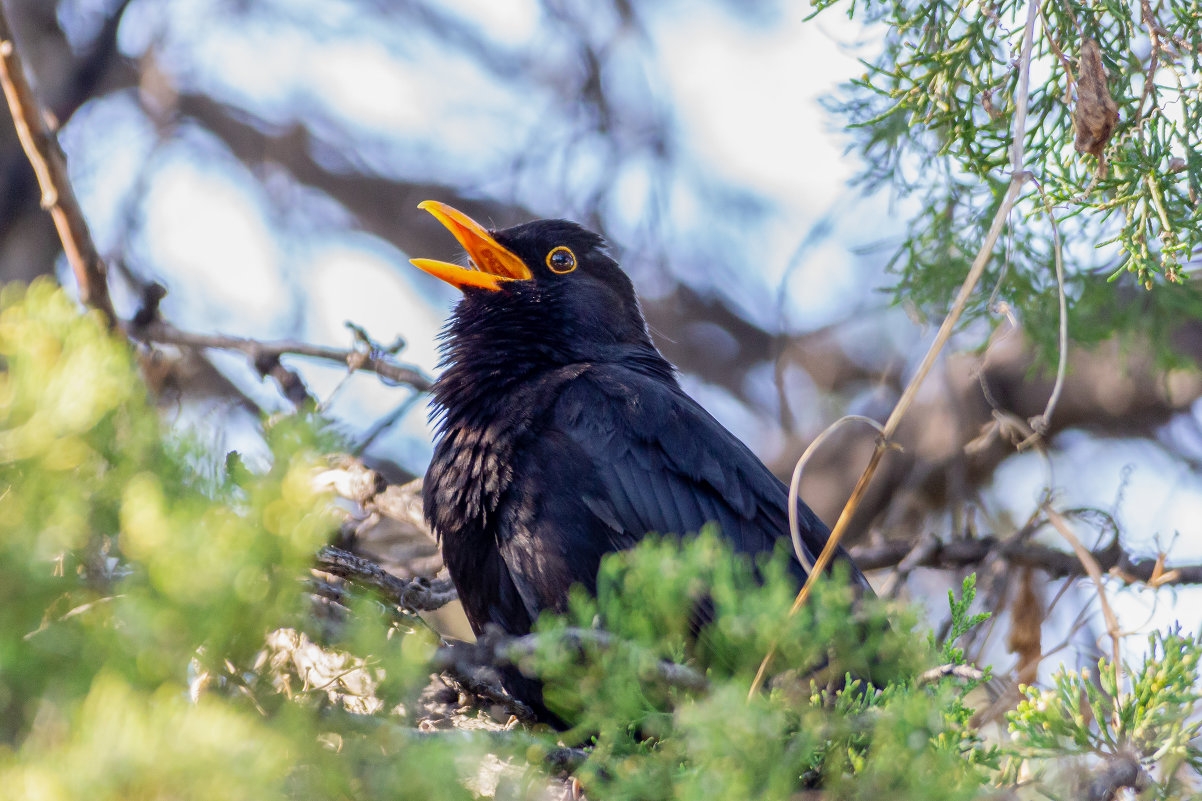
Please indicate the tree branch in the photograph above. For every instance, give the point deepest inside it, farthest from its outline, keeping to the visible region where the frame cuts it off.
(418, 594)
(493, 648)
(265, 355)
(481, 681)
(967, 553)
(42, 149)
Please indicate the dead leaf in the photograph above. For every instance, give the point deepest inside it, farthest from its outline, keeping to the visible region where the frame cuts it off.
(1096, 112)
(1026, 628)
(987, 104)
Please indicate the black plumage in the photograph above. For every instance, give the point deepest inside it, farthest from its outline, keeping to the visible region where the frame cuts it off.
(563, 434)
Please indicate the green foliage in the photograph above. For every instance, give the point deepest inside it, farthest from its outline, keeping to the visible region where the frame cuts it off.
(125, 576)
(963, 619)
(153, 645)
(1155, 720)
(932, 117)
(822, 722)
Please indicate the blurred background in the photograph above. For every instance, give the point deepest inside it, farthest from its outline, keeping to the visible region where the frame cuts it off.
(263, 161)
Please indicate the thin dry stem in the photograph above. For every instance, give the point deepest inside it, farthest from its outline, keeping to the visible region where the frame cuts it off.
(795, 482)
(1040, 423)
(1017, 177)
(1095, 573)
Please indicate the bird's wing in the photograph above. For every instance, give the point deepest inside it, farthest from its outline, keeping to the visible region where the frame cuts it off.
(659, 462)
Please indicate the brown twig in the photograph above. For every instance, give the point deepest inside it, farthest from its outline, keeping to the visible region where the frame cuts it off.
(268, 353)
(1148, 17)
(1040, 422)
(795, 481)
(1017, 177)
(42, 149)
(1095, 572)
(1064, 62)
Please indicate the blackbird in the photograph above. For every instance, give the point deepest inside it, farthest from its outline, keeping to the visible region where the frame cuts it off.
(563, 434)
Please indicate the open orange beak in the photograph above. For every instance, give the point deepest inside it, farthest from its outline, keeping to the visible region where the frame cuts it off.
(495, 264)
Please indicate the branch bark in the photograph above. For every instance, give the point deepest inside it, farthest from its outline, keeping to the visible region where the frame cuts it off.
(50, 166)
(418, 594)
(265, 355)
(963, 554)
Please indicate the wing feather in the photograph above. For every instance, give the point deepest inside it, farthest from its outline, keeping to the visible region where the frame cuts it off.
(619, 455)
(666, 465)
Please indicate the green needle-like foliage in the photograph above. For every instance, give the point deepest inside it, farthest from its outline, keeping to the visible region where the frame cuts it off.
(933, 115)
(823, 721)
(147, 612)
(1155, 720)
(126, 578)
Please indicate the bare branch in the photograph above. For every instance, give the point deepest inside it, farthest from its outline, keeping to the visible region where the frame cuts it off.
(265, 355)
(42, 149)
(418, 594)
(968, 553)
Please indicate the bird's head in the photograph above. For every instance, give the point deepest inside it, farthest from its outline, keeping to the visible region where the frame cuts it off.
(546, 285)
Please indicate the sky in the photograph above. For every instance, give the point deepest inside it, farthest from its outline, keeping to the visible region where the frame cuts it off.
(775, 140)
(265, 258)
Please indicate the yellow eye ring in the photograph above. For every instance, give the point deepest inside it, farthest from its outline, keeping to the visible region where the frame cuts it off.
(561, 260)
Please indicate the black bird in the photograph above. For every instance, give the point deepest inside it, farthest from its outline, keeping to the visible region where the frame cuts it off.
(563, 434)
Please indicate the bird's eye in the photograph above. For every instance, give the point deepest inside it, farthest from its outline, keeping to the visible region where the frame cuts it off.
(561, 260)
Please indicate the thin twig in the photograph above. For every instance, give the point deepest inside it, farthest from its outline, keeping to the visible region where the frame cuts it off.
(1149, 19)
(1095, 573)
(966, 672)
(1017, 177)
(265, 353)
(385, 423)
(1040, 422)
(922, 551)
(795, 481)
(42, 149)
(1064, 62)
